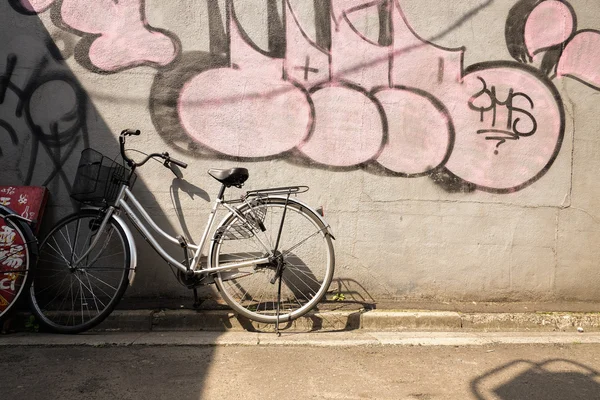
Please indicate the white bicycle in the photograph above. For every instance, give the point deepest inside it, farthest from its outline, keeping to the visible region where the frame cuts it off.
(271, 256)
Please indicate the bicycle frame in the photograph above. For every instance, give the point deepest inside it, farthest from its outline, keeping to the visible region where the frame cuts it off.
(139, 217)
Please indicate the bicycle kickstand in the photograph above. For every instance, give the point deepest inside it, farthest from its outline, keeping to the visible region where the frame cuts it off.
(280, 267)
(197, 301)
(278, 305)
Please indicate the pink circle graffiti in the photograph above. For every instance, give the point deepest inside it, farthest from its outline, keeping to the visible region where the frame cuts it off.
(509, 126)
(349, 126)
(420, 134)
(241, 114)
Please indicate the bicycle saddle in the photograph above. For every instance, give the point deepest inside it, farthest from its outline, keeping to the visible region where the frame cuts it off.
(230, 177)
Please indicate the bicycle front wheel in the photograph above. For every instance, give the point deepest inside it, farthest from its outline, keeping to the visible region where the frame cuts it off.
(303, 257)
(72, 298)
(18, 255)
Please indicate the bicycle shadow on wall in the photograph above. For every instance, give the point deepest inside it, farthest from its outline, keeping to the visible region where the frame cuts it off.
(181, 186)
(555, 379)
(46, 116)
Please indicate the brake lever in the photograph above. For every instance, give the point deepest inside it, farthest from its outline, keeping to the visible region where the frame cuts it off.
(174, 169)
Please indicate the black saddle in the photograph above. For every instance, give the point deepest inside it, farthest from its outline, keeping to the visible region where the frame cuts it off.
(230, 177)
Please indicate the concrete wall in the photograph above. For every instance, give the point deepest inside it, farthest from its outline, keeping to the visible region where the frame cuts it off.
(453, 145)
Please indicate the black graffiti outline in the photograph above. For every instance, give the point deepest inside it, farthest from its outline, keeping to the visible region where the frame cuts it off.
(382, 5)
(322, 29)
(55, 141)
(514, 30)
(276, 30)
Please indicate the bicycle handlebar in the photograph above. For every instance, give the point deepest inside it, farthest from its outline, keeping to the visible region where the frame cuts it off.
(130, 132)
(132, 164)
(176, 162)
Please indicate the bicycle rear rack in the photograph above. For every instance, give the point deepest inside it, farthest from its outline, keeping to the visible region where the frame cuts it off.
(287, 190)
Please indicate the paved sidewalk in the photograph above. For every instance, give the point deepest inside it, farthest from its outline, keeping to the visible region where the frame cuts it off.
(325, 371)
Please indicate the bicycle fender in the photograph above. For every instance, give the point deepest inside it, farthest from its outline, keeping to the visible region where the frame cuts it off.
(129, 236)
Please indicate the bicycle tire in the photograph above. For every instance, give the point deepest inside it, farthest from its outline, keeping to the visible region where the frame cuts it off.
(18, 257)
(73, 299)
(305, 246)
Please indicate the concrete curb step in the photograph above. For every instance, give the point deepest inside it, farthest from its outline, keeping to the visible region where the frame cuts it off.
(313, 339)
(328, 321)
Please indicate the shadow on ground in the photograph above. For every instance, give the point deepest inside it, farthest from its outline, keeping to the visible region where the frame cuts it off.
(556, 379)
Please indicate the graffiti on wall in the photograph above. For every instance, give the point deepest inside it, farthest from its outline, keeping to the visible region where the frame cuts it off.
(343, 98)
(43, 112)
(334, 91)
(545, 31)
(114, 33)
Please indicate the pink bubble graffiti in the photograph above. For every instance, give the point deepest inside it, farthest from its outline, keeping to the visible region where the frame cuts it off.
(253, 113)
(348, 128)
(420, 137)
(404, 105)
(581, 59)
(509, 127)
(549, 24)
(355, 58)
(124, 39)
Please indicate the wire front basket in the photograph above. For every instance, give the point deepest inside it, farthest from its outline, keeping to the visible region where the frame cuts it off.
(99, 178)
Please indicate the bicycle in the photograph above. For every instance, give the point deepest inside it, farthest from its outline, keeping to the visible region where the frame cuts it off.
(271, 257)
(18, 255)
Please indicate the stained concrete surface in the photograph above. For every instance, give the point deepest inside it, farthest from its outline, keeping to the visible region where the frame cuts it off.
(493, 371)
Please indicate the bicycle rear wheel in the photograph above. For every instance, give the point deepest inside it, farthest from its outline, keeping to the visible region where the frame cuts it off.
(68, 298)
(304, 254)
(18, 256)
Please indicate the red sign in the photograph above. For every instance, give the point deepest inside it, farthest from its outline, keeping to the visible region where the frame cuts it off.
(14, 261)
(29, 202)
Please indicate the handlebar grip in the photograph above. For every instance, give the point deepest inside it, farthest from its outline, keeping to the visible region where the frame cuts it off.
(131, 132)
(177, 162)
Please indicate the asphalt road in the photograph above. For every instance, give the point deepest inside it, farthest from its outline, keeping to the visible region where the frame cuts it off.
(502, 372)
